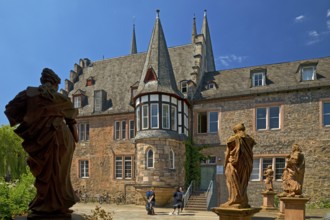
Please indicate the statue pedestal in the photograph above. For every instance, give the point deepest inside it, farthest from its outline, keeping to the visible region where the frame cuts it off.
(268, 200)
(294, 208)
(281, 213)
(235, 213)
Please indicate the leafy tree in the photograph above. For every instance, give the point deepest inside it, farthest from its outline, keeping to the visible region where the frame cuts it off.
(12, 155)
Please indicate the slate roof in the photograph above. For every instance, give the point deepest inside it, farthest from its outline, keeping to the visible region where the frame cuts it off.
(280, 77)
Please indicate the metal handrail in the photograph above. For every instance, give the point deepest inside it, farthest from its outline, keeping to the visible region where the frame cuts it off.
(209, 193)
(188, 193)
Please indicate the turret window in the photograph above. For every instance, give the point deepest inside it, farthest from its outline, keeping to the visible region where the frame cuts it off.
(145, 117)
(166, 116)
(173, 118)
(172, 159)
(154, 115)
(150, 158)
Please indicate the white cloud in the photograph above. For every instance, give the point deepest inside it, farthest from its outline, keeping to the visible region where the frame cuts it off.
(314, 37)
(313, 34)
(328, 13)
(228, 59)
(299, 18)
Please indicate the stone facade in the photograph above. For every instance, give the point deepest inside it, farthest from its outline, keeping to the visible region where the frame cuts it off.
(106, 94)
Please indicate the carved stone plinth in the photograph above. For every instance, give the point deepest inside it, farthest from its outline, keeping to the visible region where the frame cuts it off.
(294, 208)
(235, 214)
(281, 213)
(268, 200)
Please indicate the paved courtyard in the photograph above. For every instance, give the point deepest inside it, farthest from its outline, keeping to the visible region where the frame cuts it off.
(135, 212)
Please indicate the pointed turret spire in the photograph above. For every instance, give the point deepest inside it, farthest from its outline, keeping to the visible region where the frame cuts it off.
(209, 51)
(133, 45)
(194, 30)
(157, 74)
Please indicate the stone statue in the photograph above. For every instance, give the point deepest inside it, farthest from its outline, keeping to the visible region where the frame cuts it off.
(238, 167)
(269, 174)
(46, 122)
(293, 174)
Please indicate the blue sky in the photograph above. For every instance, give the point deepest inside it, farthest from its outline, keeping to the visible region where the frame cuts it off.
(57, 33)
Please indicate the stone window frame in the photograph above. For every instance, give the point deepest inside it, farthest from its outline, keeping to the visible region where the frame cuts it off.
(122, 159)
(262, 166)
(267, 117)
(83, 170)
(208, 161)
(172, 159)
(83, 131)
(322, 115)
(208, 122)
(148, 159)
(120, 130)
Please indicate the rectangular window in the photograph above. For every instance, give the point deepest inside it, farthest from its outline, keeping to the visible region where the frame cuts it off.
(173, 118)
(138, 116)
(207, 122)
(117, 130)
(131, 129)
(213, 122)
(258, 79)
(154, 115)
(326, 114)
(184, 87)
(308, 73)
(166, 116)
(128, 168)
(119, 168)
(145, 117)
(260, 165)
(83, 169)
(123, 130)
(77, 101)
(268, 118)
(83, 131)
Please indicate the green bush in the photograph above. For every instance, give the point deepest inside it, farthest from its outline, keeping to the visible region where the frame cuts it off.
(16, 196)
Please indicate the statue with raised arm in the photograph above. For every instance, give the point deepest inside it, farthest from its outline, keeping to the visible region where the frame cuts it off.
(269, 174)
(238, 167)
(293, 174)
(46, 123)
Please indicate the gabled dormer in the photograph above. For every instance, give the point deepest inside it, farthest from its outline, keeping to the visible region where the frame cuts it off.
(79, 98)
(307, 71)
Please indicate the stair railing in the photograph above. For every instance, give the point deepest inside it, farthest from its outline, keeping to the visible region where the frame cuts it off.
(188, 193)
(209, 193)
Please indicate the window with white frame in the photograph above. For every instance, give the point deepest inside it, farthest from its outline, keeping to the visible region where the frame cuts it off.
(150, 158)
(260, 165)
(172, 159)
(211, 85)
(131, 129)
(123, 129)
(138, 118)
(117, 130)
(326, 114)
(258, 79)
(173, 118)
(77, 101)
(166, 116)
(184, 86)
(145, 117)
(83, 131)
(268, 118)
(83, 169)
(124, 167)
(209, 160)
(308, 73)
(154, 115)
(207, 122)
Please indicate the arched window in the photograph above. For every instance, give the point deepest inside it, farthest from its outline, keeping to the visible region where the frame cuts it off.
(172, 159)
(150, 158)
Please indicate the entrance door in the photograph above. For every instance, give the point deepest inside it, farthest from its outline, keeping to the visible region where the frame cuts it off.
(207, 174)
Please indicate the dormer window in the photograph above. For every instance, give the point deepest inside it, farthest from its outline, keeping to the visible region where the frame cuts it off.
(258, 78)
(150, 76)
(90, 81)
(184, 86)
(79, 99)
(99, 100)
(211, 85)
(308, 73)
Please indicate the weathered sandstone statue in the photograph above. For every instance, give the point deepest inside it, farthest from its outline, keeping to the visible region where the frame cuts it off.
(46, 122)
(238, 167)
(269, 174)
(293, 174)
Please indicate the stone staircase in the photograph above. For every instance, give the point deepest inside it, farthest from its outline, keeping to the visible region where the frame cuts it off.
(197, 201)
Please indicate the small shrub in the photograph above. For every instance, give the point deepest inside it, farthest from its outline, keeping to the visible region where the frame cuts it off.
(99, 214)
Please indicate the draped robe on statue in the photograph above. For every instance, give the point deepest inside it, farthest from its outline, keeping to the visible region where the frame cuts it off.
(44, 117)
(238, 168)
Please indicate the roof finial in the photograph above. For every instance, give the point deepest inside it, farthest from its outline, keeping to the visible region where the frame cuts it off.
(204, 12)
(157, 15)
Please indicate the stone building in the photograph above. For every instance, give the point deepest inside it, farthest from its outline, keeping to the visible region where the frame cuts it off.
(136, 111)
